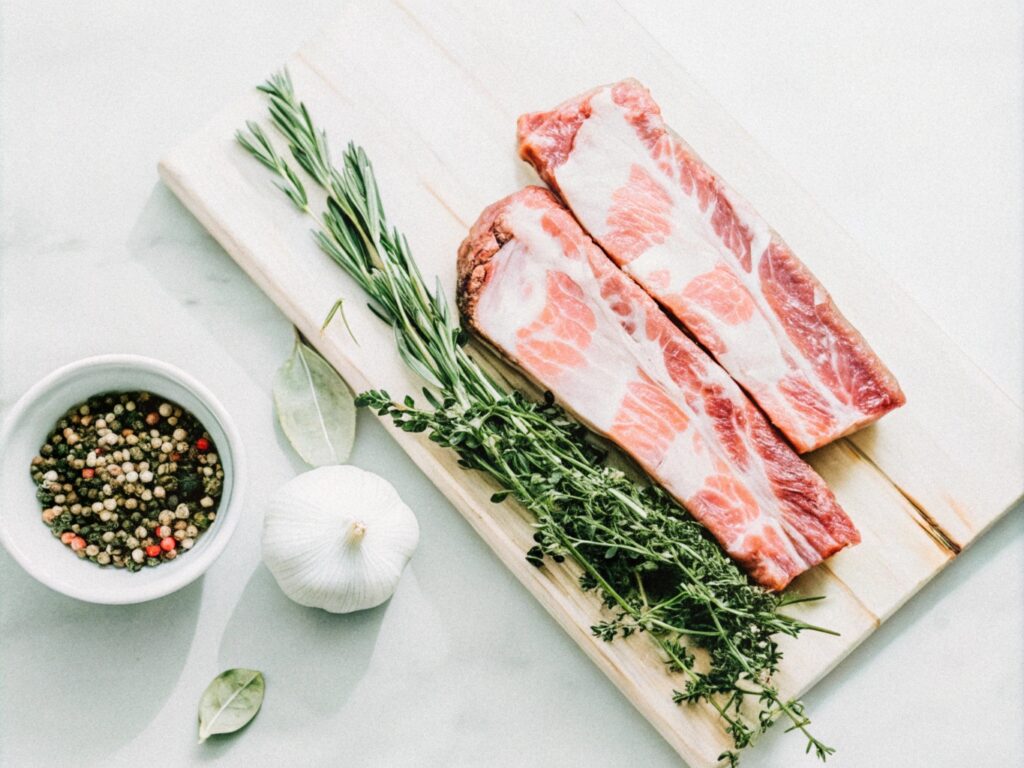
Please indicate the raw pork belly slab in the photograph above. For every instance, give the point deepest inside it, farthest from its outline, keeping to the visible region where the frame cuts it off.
(538, 289)
(711, 260)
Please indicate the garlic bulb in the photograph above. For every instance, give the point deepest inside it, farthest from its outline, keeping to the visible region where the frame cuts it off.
(338, 538)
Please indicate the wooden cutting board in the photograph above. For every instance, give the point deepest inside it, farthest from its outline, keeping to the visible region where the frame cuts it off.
(432, 90)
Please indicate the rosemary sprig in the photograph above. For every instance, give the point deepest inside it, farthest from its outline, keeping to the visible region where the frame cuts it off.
(655, 567)
(259, 146)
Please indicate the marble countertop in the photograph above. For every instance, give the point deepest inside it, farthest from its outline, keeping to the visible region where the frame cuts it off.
(904, 121)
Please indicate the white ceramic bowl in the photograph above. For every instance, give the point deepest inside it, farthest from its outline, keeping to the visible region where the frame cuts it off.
(26, 426)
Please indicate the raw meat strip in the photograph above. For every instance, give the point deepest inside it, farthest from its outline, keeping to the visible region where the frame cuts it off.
(538, 289)
(711, 260)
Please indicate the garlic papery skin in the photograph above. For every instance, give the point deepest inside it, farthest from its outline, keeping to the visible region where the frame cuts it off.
(338, 538)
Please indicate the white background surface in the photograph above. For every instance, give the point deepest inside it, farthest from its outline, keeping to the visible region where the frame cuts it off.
(903, 120)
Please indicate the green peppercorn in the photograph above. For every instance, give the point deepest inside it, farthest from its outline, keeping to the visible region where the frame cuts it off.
(191, 485)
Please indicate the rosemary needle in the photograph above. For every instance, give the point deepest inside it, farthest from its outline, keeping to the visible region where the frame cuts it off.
(655, 567)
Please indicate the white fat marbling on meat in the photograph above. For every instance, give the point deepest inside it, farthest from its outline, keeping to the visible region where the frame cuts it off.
(758, 352)
(514, 297)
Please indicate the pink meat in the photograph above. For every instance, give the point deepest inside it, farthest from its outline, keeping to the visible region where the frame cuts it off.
(539, 290)
(698, 248)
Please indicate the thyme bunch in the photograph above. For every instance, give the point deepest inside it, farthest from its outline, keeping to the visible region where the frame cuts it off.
(656, 568)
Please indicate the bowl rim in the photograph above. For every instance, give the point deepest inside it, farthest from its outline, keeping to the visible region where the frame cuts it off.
(188, 570)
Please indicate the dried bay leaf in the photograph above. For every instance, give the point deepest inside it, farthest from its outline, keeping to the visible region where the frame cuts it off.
(315, 407)
(230, 701)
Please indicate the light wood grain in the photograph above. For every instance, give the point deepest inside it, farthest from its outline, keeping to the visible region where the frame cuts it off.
(432, 91)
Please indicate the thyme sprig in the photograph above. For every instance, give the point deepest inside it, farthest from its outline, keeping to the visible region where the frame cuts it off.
(656, 568)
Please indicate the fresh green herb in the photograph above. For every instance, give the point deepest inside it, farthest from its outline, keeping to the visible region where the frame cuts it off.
(314, 407)
(338, 308)
(655, 567)
(230, 701)
(259, 146)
